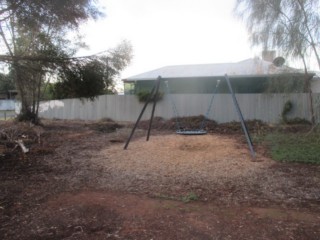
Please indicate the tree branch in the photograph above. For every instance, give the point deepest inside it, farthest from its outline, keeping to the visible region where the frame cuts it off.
(11, 58)
(313, 45)
(5, 41)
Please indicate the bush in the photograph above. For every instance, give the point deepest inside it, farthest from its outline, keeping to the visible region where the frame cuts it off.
(143, 96)
(286, 109)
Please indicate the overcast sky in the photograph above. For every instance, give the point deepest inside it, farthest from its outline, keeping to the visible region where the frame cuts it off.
(170, 32)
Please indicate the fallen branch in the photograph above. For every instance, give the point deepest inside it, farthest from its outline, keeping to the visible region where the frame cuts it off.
(22, 146)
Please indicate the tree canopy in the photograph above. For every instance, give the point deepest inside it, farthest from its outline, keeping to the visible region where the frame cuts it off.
(34, 45)
(288, 25)
(291, 26)
(6, 82)
(97, 76)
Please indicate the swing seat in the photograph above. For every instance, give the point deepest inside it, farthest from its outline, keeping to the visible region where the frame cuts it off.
(191, 132)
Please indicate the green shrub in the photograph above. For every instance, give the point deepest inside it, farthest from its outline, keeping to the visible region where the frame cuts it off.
(286, 109)
(190, 197)
(143, 96)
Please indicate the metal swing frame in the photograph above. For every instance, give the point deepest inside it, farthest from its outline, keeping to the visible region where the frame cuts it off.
(201, 130)
(152, 97)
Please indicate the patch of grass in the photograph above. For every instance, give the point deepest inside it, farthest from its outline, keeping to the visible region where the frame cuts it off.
(190, 197)
(165, 197)
(186, 199)
(293, 147)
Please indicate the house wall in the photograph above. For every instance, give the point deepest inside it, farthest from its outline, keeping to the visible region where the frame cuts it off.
(265, 107)
(279, 84)
(315, 86)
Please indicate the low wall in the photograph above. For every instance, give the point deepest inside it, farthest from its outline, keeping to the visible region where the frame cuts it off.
(265, 107)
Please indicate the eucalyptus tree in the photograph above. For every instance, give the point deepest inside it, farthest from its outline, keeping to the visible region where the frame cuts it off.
(33, 41)
(289, 25)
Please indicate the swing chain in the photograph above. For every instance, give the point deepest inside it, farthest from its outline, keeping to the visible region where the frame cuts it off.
(206, 116)
(174, 107)
(175, 110)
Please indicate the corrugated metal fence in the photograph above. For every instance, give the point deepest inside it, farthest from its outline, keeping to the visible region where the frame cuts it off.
(7, 109)
(265, 107)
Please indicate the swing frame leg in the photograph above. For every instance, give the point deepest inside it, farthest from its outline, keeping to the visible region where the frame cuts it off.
(154, 106)
(153, 94)
(243, 124)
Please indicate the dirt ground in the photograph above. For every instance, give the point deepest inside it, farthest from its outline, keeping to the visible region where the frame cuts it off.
(77, 182)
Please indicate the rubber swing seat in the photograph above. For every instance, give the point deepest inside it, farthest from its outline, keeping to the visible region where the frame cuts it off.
(192, 132)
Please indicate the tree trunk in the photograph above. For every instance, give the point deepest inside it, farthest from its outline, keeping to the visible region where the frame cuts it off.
(308, 90)
(26, 113)
(38, 94)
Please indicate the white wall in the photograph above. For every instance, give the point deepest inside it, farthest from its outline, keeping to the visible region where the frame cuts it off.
(315, 85)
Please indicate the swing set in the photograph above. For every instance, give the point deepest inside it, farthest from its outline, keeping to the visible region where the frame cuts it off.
(201, 130)
(182, 131)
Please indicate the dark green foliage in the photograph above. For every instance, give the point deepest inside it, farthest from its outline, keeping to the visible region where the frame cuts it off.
(286, 109)
(6, 82)
(80, 81)
(143, 96)
(93, 77)
(190, 197)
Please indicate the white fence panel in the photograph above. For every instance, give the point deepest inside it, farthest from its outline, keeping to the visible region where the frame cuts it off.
(7, 109)
(7, 105)
(265, 107)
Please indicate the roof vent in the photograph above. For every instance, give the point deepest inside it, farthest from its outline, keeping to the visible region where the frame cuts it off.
(278, 61)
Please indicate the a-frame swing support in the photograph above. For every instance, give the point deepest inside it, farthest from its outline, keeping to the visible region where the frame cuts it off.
(153, 97)
(243, 124)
